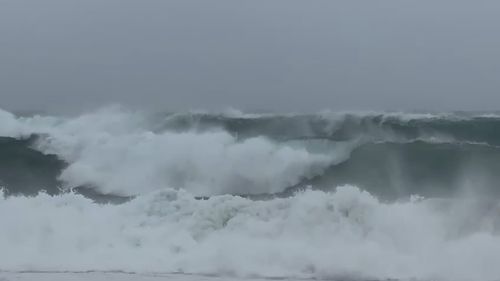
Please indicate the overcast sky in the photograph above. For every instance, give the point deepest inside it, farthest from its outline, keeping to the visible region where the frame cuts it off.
(254, 55)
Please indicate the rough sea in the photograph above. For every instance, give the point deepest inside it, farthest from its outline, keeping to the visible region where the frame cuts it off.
(117, 194)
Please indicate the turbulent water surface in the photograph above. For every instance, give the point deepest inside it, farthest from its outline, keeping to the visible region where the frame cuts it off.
(347, 196)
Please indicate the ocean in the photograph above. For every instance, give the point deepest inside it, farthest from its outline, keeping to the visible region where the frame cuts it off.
(118, 194)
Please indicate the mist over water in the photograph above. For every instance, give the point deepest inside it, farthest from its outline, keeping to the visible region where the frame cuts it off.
(348, 195)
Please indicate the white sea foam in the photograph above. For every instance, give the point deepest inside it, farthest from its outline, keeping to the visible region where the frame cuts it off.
(347, 233)
(117, 151)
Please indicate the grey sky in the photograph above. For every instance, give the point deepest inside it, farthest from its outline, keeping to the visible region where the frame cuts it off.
(274, 55)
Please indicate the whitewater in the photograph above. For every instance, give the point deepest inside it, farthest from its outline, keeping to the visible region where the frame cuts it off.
(116, 194)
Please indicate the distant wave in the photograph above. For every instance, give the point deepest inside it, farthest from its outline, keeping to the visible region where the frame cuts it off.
(481, 128)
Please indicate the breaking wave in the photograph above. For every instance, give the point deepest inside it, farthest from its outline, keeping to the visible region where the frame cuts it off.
(347, 234)
(115, 151)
